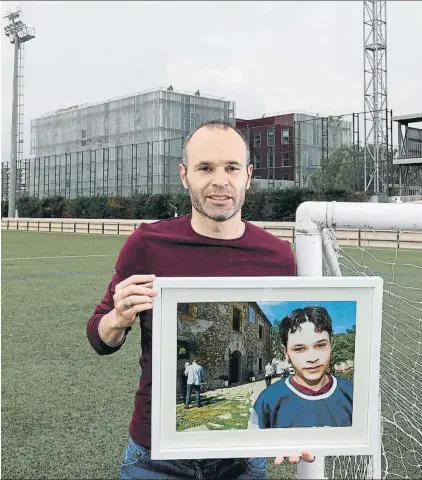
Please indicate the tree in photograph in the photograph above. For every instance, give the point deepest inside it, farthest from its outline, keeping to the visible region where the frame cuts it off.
(276, 344)
(343, 347)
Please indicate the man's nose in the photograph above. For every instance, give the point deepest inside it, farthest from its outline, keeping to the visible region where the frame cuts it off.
(312, 357)
(220, 178)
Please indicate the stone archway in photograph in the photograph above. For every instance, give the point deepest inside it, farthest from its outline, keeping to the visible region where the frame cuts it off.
(235, 367)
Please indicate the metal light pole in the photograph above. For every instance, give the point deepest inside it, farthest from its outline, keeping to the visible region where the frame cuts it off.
(18, 33)
(377, 129)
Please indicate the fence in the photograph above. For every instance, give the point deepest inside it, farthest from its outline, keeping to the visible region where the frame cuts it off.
(283, 230)
(322, 152)
(286, 150)
(149, 167)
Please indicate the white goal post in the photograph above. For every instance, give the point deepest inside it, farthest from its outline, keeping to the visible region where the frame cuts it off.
(315, 246)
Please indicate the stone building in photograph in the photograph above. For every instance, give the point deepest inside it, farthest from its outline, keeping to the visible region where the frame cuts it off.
(231, 341)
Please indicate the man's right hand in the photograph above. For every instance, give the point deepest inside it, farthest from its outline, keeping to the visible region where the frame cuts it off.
(133, 295)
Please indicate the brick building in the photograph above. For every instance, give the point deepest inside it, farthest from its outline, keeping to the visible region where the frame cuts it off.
(271, 142)
(287, 149)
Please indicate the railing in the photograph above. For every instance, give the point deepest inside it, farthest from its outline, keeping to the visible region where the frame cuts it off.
(283, 230)
(413, 150)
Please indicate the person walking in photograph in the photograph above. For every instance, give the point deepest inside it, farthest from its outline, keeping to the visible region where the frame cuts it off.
(269, 370)
(183, 380)
(195, 376)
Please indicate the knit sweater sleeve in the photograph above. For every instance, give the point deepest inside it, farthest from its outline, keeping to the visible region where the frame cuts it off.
(131, 260)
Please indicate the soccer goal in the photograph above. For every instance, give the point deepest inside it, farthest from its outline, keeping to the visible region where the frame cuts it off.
(335, 238)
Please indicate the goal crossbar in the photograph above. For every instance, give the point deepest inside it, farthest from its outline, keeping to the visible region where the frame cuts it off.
(313, 217)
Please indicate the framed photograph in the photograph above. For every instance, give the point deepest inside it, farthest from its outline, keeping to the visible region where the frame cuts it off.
(265, 366)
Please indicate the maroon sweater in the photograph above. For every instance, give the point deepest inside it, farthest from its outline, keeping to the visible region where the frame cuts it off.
(172, 248)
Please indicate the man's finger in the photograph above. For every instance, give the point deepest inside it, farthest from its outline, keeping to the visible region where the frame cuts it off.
(135, 279)
(294, 459)
(130, 314)
(307, 457)
(278, 460)
(132, 301)
(142, 307)
(136, 290)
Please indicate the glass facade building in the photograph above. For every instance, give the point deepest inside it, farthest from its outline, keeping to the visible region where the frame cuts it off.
(119, 146)
(315, 139)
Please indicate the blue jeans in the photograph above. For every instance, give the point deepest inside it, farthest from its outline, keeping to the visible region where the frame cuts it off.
(137, 464)
(197, 390)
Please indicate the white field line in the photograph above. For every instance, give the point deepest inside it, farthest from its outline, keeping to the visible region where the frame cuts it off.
(62, 256)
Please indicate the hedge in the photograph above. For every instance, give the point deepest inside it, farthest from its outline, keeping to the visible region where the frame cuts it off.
(260, 205)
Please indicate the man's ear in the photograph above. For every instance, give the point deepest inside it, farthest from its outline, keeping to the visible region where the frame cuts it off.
(250, 170)
(183, 172)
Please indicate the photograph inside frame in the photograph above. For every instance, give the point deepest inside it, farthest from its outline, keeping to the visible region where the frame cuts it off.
(257, 365)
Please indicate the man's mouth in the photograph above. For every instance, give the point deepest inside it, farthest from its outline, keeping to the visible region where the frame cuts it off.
(219, 197)
(313, 369)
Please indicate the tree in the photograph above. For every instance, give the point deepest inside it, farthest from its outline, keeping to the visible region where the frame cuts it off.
(343, 169)
(343, 347)
(276, 345)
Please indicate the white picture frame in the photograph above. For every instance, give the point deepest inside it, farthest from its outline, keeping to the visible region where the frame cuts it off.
(362, 438)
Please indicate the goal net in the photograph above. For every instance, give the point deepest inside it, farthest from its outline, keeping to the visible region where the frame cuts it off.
(376, 239)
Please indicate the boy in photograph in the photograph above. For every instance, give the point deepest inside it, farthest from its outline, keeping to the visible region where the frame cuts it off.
(312, 397)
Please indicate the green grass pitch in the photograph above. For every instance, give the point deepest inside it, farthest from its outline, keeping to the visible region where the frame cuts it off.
(66, 410)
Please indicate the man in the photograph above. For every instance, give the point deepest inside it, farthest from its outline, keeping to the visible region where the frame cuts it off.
(268, 374)
(312, 397)
(194, 373)
(211, 241)
(183, 380)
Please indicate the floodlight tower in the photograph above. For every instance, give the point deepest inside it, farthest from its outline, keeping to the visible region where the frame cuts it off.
(18, 34)
(377, 118)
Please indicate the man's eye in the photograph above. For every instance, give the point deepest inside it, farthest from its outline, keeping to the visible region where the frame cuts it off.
(321, 345)
(204, 168)
(233, 168)
(299, 349)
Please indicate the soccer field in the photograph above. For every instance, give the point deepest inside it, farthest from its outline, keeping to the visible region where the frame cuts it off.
(66, 410)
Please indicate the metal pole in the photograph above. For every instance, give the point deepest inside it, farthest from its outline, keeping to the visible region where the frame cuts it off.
(310, 263)
(14, 135)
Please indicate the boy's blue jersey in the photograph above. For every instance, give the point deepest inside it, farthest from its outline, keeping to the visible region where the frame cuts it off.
(281, 405)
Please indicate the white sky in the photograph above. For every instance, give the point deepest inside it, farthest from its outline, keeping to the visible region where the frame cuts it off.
(266, 56)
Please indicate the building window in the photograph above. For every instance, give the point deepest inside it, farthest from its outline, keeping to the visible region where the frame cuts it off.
(252, 315)
(284, 177)
(257, 160)
(188, 311)
(83, 133)
(256, 139)
(270, 159)
(236, 319)
(260, 364)
(183, 349)
(284, 137)
(183, 308)
(261, 332)
(285, 159)
(270, 136)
